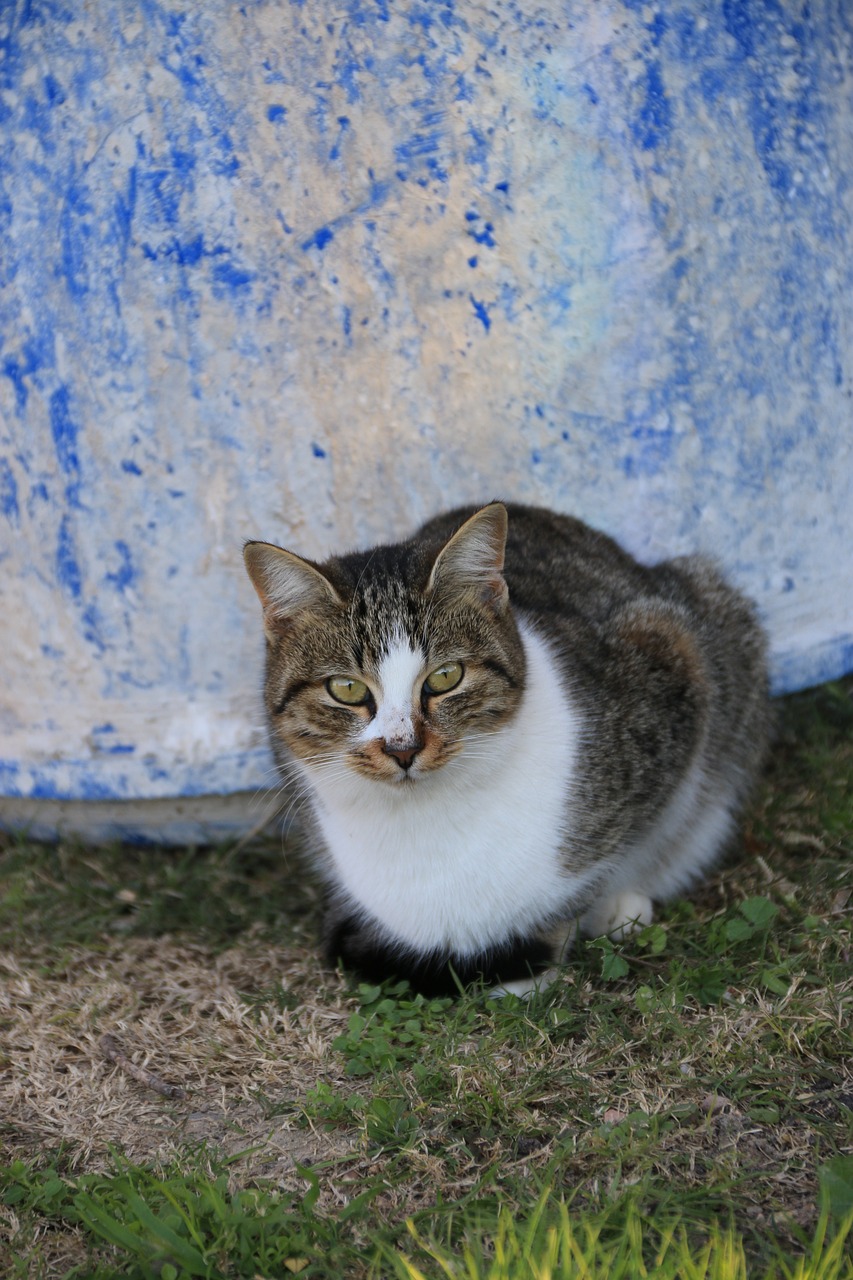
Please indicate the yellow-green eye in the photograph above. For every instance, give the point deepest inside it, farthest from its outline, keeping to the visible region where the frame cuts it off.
(351, 692)
(444, 678)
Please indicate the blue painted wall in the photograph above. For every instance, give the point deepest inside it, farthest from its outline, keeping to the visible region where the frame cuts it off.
(310, 272)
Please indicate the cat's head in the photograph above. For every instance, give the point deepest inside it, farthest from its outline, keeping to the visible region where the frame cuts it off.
(394, 660)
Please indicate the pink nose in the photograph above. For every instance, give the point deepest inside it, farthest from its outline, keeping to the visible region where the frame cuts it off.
(404, 753)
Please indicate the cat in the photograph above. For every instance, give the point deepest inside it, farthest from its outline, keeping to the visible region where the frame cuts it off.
(506, 725)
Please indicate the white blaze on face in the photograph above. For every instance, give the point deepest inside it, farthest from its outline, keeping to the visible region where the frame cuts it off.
(399, 672)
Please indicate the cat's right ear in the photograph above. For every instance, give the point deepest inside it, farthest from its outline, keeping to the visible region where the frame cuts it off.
(286, 585)
(472, 562)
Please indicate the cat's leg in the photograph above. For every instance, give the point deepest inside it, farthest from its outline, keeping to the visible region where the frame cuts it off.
(618, 915)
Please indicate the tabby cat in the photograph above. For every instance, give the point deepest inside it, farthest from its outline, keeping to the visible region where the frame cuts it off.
(506, 725)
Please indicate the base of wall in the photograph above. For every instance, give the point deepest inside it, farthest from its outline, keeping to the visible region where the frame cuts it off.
(184, 820)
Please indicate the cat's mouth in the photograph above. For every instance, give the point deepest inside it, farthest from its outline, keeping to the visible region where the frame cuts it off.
(402, 767)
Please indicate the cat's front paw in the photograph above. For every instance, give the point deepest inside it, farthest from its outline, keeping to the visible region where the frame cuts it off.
(524, 987)
(618, 916)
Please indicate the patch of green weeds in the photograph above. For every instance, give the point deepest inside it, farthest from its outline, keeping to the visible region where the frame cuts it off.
(700, 964)
(391, 1028)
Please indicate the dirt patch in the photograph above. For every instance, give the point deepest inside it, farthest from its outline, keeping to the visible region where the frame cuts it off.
(218, 1028)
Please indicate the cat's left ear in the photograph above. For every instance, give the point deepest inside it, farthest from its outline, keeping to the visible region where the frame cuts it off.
(472, 562)
(286, 585)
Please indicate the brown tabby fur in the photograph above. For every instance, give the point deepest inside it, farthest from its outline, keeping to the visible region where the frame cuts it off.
(665, 665)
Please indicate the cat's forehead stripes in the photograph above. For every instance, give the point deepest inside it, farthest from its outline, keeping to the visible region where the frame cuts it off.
(384, 613)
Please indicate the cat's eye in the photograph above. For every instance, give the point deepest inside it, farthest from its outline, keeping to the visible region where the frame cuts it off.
(353, 693)
(444, 678)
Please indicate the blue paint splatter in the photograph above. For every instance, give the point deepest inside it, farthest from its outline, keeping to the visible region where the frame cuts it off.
(420, 152)
(232, 277)
(321, 237)
(67, 569)
(8, 492)
(75, 231)
(13, 371)
(479, 151)
(335, 152)
(93, 627)
(189, 252)
(472, 262)
(90, 787)
(483, 236)
(653, 125)
(486, 236)
(317, 451)
(9, 772)
(64, 430)
(125, 574)
(481, 311)
(276, 112)
(787, 120)
(124, 208)
(130, 467)
(110, 748)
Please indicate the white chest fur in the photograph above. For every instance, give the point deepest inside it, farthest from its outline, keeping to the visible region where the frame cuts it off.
(466, 856)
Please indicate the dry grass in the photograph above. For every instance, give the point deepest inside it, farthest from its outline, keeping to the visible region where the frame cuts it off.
(187, 1017)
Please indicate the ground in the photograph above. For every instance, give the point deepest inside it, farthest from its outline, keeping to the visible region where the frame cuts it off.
(185, 1089)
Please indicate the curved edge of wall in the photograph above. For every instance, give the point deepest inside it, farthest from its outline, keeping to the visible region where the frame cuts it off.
(184, 820)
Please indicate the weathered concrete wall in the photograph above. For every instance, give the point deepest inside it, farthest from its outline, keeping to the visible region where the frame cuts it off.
(311, 272)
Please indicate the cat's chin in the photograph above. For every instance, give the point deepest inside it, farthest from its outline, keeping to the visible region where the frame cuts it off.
(402, 778)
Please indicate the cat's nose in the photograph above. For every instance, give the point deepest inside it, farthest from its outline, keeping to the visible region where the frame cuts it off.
(403, 753)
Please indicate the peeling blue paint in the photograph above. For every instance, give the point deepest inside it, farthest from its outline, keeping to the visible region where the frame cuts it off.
(485, 235)
(9, 493)
(321, 237)
(232, 277)
(125, 574)
(653, 124)
(481, 311)
(158, 315)
(344, 124)
(65, 431)
(68, 573)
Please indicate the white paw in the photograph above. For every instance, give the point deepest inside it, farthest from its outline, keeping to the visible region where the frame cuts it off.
(524, 986)
(619, 916)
